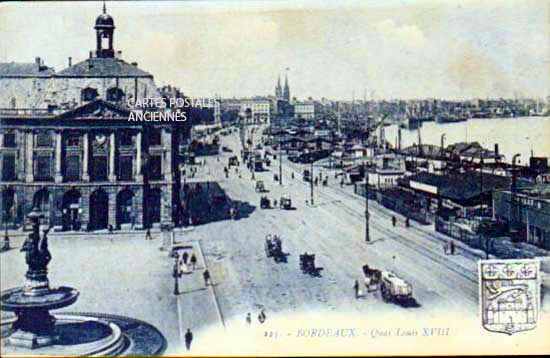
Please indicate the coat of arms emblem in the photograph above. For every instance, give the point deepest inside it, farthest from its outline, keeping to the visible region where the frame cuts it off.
(509, 294)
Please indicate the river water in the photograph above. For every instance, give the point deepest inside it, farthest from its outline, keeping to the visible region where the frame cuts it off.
(513, 135)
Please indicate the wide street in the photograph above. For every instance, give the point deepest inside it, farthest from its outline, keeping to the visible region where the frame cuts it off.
(127, 275)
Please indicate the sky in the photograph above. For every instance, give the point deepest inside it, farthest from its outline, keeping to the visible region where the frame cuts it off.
(456, 49)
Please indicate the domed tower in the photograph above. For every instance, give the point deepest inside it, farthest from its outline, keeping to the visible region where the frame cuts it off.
(105, 28)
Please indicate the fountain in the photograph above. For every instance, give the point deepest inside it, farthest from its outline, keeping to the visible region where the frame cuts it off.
(35, 331)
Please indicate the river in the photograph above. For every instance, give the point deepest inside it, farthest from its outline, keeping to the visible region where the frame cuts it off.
(513, 135)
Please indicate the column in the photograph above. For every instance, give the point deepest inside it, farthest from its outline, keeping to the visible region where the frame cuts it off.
(139, 175)
(58, 158)
(85, 156)
(112, 175)
(112, 209)
(29, 177)
(167, 153)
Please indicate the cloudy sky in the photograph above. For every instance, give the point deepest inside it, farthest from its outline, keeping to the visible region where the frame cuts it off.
(335, 49)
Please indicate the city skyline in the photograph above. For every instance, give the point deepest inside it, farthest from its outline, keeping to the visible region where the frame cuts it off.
(407, 49)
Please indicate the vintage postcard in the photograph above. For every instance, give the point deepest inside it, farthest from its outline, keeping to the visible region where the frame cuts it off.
(274, 178)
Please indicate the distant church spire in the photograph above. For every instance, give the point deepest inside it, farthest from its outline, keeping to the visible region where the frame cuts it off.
(104, 7)
(278, 88)
(286, 91)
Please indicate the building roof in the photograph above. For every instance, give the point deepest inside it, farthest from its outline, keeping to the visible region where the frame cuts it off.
(24, 69)
(460, 187)
(103, 67)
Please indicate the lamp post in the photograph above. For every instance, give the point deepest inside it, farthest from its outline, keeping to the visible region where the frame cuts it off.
(514, 208)
(280, 164)
(311, 182)
(367, 234)
(481, 185)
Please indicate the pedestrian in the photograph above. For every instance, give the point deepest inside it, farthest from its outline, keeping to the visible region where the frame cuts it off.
(261, 316)
(356, 289)
(393, 220)
(452, 247)
(193, 261)
(206, 276)
(132, 219)
(148, 235)
(445, 248)
(407, 223)
(248, 319)
(292, 175)
(188, 338)
(184, 257)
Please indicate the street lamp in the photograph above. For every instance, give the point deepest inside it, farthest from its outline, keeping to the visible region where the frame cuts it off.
(367, 234)
(311, 181)
(280, 164)
(514, 208)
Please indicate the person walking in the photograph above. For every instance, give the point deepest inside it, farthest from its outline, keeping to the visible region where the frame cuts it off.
(148, 235)
(248, 318)
(188, 338)
(356, 289)
(185, 257)
(393, 220)
(206, 276)
(452, 246)
(193, 261)
(261, 316)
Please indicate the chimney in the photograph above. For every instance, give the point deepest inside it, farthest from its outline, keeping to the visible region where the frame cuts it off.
(70, 61)
(38, 61)
(496, 148)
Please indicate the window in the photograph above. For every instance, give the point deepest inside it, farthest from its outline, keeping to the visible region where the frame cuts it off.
(73, 140)
(98, 170)
(125, 168)
(72, 168)
(156, 136)
(42, 168)
(125, 139)
(9, 140)
(114, 94)
(44, 139)
(8, 167)
(88, 94)
(155, 167)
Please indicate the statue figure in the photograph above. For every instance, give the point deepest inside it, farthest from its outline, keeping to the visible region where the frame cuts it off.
(38, 256)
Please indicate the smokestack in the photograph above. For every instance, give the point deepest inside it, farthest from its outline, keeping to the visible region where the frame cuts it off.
(496, 148)
(70, 61)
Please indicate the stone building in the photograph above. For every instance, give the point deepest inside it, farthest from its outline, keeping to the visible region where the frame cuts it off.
(68, 147)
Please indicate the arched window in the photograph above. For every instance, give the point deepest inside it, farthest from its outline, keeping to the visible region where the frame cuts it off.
(88, 94)
(114, 94)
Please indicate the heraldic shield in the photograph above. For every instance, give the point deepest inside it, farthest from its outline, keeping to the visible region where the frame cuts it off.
(509, 294)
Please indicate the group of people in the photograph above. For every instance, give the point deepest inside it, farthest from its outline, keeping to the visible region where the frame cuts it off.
(394, 221)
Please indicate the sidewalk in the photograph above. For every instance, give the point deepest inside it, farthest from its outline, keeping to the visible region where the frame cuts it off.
(197, 305)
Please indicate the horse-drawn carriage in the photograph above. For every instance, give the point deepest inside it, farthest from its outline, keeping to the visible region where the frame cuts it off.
(307, 264)
(392, 287)
(260, 186)
(274, 248)
(372, 278)
(265, 203)
(233, 160)
(285, 202)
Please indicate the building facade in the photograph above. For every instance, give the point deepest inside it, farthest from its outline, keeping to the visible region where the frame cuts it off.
(69, 146)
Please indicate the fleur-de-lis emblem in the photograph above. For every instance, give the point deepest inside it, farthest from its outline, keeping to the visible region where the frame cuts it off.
(508, 271)
(526, 270)
(491, 270)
